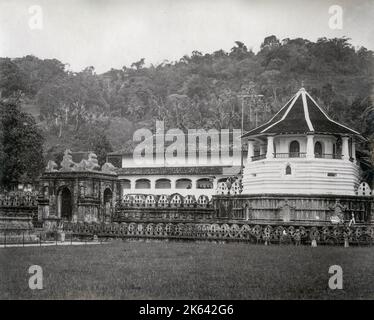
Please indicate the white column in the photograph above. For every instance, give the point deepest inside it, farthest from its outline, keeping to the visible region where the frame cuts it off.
(193, 182)
(270, 152)
(353, 149)
(173, 183)
(122, 189)
(250, 150)
(133, 184)
(193, 191)
(310, 146)
(152, 190)
(345, 148)
(215, 185)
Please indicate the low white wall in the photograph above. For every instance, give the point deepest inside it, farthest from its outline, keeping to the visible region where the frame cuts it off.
(309, 176)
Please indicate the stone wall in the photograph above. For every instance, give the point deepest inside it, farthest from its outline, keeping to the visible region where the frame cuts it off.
(314, 209)
(18, 211)
(306, 176)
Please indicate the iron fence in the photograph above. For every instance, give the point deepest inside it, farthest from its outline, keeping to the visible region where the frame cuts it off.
(228, 231)
(42, 238)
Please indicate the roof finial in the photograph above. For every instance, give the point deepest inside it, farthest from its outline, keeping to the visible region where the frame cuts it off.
(302, 86)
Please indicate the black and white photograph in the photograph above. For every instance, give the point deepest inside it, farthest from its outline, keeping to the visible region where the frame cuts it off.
(193, 151)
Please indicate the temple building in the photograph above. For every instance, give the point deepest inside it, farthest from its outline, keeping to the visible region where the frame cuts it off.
(194, 179)
(300, 169)
(301, 150)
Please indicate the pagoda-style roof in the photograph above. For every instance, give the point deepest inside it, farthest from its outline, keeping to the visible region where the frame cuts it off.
(301, 115)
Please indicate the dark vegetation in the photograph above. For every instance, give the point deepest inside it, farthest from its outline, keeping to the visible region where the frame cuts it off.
(99, 112)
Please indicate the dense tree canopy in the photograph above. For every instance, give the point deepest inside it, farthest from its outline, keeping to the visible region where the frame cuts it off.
(198, 91)
(21, 147)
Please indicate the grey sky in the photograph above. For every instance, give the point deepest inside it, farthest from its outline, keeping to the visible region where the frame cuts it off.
(113, 33)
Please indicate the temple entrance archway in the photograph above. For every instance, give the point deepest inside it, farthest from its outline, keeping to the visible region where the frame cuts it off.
(108, 195)
(64, 204)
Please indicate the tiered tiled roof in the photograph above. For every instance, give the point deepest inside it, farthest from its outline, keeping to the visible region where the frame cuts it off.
(301, 115)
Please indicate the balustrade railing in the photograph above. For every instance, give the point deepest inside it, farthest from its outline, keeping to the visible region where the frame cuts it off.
(303, 155)
(247, 231)
(259, 157)
(290, 155)
(18, 199)
(328, 155)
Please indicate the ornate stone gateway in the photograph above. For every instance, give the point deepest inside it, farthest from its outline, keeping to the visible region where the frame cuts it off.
(77, 192)
(64, 204)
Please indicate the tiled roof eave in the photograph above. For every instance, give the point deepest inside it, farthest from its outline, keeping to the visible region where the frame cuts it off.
(270, 133)
(176, 171)
(302, 115)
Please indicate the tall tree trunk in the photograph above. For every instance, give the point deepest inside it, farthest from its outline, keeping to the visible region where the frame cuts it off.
(76, 123)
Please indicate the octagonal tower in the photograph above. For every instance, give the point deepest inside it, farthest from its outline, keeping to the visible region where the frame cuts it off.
(301, 150)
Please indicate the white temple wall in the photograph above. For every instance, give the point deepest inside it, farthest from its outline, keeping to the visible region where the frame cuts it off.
(282, 143)
(309, 176)
(194, 190)
(214, 160)
(327, 143)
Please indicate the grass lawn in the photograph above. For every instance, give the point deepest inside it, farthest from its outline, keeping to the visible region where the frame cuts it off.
(186, 270)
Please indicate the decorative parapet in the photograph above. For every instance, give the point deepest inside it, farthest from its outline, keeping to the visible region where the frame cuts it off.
(292, 208)
(186, 227)
(162, 201)
(90, 165)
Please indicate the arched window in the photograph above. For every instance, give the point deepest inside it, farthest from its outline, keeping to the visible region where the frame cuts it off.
(294, 149)
(288, 170)
(183, 184)
(108, 194)
(318, 149)
(204, 183)
(46, 192)
(64, 204)
(163, 184)
(142, 184)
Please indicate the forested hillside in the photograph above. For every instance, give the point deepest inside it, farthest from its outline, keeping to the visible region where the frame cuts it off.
(89, 111)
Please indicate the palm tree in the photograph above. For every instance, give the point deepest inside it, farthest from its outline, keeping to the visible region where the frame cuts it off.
(368, 162)
(80, 112)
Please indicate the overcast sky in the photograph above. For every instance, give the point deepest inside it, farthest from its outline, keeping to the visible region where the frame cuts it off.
(112, 33)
